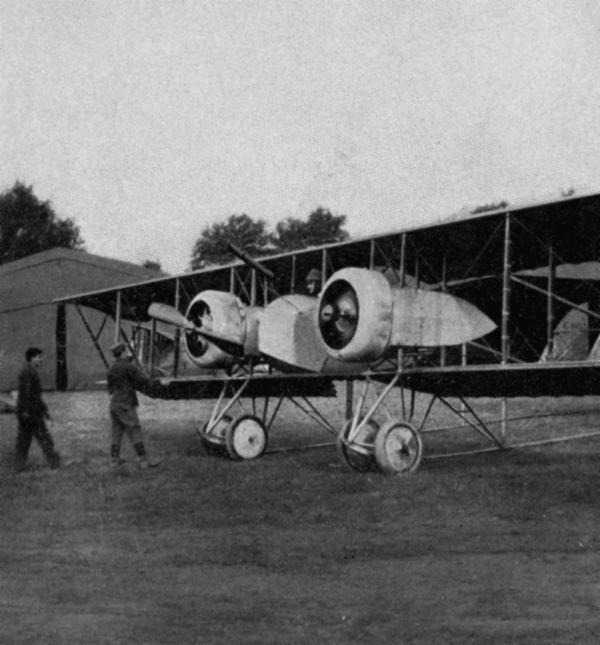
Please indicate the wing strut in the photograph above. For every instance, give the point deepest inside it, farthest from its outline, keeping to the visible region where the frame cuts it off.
(478, 425)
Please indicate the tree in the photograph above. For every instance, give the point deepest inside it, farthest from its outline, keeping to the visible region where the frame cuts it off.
(321, 227)
(484, 208)
(29, 226)
(241, 230)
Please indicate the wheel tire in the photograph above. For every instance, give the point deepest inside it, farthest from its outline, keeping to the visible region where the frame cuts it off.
(246, 438)
(213, 442)
(359, 457)
(398, 448)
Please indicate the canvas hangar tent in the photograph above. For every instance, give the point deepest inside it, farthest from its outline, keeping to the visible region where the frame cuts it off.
(28, 315)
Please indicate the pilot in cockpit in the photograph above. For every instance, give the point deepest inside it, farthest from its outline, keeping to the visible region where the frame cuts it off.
(313, 282)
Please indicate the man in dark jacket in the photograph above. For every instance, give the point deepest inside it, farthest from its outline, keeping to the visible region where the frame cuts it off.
(124, 378)
(32, 412)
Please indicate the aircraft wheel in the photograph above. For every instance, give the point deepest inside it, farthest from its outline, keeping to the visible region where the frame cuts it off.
(246, 437)
(358, 453)
(398, 448)
(214, 441)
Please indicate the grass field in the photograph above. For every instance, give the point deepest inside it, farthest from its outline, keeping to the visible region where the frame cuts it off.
(294, 547)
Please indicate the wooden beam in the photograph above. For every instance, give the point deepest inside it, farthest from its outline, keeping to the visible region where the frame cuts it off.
(506, 276)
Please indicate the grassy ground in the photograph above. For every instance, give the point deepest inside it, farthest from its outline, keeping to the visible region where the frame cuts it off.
(294, 547)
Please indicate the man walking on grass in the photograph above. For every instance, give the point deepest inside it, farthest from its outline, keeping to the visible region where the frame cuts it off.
(32, 413)
(124, 378)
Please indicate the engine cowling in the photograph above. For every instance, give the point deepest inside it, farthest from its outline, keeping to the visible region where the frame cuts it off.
(220, 312)
(355, 314)
(360, 315)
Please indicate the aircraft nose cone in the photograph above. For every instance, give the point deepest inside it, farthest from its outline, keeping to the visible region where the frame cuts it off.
(347, 307)
(327, 313)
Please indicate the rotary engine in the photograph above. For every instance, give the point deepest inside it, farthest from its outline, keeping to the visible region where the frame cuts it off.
(226, 315)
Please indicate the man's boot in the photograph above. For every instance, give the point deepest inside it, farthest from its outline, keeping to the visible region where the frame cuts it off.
(54, 460)
(145, 462)
(115, 461)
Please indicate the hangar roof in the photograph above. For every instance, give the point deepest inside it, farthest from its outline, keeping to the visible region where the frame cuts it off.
(83, 257)
(42, 277)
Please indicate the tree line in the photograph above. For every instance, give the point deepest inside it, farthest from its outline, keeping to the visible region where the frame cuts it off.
(29, 225)
(321, 227)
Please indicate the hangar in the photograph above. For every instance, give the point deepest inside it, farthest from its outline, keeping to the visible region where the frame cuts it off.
(29, 317)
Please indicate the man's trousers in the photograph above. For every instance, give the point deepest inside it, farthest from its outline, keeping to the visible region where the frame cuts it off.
(30, 427)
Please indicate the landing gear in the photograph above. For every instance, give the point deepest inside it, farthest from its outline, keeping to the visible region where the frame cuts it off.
(246, 437)
(395, 449)
(213, 437)
(398, 448)
(241, 438)
(355, 446)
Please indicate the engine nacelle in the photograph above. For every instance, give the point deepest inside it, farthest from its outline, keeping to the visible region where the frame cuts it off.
(360, 315)
(220, 312)
(355, 314)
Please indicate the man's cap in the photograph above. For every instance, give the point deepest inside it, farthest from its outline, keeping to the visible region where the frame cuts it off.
(313, 275)
(118, 348)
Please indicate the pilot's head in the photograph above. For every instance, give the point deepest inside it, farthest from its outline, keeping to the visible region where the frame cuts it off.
(313, 282)
(119, 350)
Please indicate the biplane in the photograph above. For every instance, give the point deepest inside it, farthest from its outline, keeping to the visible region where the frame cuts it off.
(497, 302)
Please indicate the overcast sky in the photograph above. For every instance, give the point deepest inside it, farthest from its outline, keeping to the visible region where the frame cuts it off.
(146, 121)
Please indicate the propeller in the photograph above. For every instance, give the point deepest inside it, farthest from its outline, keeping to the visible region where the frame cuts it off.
(170, 315)
(338, 314)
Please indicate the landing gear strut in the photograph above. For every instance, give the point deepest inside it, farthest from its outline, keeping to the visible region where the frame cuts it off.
(355, 445)
(394, 448)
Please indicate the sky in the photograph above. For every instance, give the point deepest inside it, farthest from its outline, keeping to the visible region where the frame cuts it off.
(147, 121)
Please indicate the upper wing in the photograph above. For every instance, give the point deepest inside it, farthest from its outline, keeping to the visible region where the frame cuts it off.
(490, 259)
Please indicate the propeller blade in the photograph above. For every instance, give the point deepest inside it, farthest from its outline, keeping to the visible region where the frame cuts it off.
(168, 314)
(228, 345)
